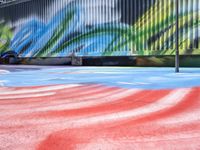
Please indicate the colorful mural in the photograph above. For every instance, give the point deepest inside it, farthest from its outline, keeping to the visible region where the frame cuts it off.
(101, 28)
(5, 37)
(99, 108)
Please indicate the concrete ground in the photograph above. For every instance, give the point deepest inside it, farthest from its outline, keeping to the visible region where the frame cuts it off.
(99, 108)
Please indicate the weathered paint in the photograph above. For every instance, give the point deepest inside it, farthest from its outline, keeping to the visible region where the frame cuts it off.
(92, 113)
(86, 117)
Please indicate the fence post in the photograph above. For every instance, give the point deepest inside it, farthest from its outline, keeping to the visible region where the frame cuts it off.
(177, 61)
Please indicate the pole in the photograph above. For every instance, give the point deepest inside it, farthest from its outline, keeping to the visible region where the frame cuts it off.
(177, 65)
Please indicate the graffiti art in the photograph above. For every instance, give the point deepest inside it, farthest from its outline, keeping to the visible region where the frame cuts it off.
(98, 108)
(99, 28)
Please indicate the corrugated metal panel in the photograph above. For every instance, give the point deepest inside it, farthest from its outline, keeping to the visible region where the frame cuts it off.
(53, 28)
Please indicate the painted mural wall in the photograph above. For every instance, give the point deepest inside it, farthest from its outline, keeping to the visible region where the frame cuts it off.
(58, 28)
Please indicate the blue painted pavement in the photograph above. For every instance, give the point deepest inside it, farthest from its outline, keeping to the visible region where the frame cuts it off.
(124, 77)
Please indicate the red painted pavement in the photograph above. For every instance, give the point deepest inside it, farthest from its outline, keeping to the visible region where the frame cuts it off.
(95, 117)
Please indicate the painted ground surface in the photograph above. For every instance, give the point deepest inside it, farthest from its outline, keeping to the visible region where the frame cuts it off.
(50, 108)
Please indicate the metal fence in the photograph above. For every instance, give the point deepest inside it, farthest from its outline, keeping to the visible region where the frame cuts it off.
(54, 28)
